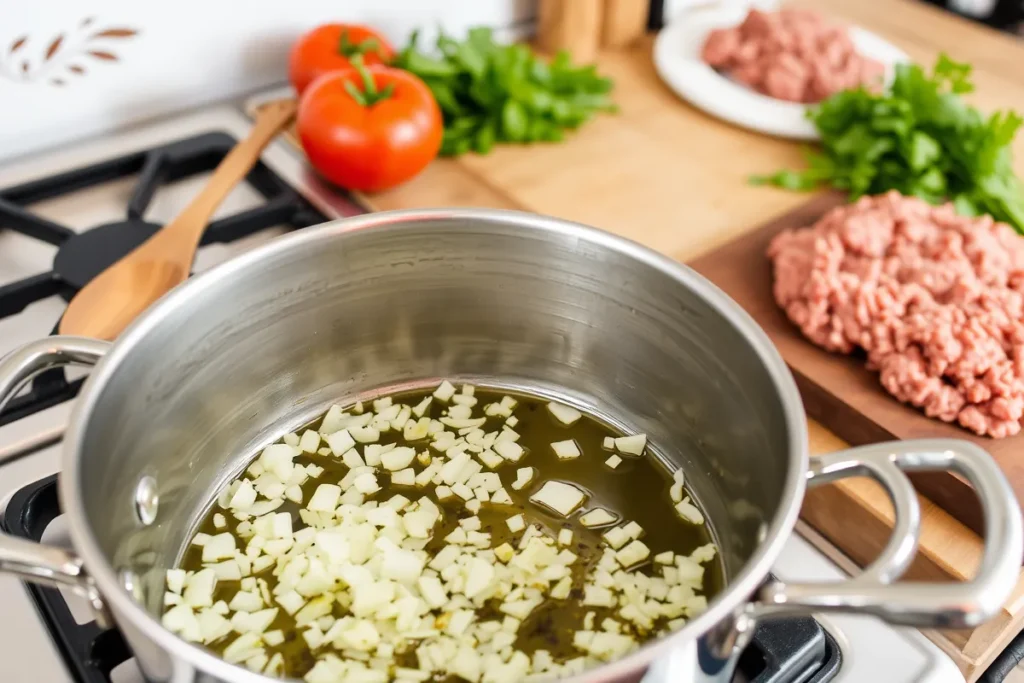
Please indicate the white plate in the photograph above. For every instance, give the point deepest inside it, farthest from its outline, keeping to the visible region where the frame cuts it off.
(677, 59)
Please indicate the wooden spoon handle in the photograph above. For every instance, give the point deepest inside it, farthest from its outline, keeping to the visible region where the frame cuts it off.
(115, 297)
(231, 170)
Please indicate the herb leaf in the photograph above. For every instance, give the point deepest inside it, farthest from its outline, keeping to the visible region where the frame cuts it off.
(491, 93)
(919, 138)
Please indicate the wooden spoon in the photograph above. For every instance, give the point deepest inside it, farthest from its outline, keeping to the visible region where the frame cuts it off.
(112, 300)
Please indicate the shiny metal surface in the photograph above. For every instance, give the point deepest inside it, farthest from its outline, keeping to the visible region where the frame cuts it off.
(253, 348)
(943, 605)
(31, 561)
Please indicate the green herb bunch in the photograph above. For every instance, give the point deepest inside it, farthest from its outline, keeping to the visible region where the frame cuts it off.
(492, 93)
(921, 138)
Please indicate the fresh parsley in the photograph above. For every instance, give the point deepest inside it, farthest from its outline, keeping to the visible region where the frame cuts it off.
(919, 138)
(491, 93)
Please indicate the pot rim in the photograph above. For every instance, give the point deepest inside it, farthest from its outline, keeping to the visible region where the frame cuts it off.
(726, 603)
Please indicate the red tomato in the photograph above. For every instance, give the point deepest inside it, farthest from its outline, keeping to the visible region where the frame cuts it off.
(331, 47)
(369, 129)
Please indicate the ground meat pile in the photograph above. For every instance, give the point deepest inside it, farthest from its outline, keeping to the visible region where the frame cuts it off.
(790, 55)
(936, 301)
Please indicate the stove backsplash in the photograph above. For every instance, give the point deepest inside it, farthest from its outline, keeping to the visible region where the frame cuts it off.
(72, 69)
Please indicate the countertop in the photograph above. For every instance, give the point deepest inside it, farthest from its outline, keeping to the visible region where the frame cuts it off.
(664, 174)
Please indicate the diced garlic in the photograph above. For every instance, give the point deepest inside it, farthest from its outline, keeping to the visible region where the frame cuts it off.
(406, 477)
(567, 415)
(560, 497)
(632, 554)
(631, 445)
(566, 450)
(509, 450)
(633, 530)
(490, 458)
(365, 434)
(524, 475)
(616, 537)
(667, 557)
(516, 523)
(219, 547)
(351, 458)
(398, 458)
(597, 517)
(339, 442)
(310, 441)
(325, 498)
(445, 391)
(613, 461)
(366, 484)
(244, 496)
(704, 553)
(689, 512)
(422, 407)
(175, 580)
(501, 497)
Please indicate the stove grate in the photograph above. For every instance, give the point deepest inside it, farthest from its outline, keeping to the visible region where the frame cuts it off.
(81, 256)
(794, 650)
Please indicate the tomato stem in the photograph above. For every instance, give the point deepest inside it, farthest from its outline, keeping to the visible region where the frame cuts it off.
(349, 49)
(369, 95)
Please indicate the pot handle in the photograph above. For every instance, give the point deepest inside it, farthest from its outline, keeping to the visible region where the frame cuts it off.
(930, 605)
(47, 565)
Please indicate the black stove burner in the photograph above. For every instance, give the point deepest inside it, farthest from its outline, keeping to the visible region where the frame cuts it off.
(80, 257)
(86, 255)
(795, 650)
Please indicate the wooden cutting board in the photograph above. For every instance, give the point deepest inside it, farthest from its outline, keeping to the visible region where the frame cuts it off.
(839, 391)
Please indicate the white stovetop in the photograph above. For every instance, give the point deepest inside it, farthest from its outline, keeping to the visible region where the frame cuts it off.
(872, 651)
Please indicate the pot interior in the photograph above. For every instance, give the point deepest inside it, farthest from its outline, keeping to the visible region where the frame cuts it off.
(245, 353)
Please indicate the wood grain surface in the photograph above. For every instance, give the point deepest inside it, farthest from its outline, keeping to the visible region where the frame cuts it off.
(674, 179)
(838, 391)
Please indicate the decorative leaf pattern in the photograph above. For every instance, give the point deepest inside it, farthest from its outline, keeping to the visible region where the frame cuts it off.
(54, 46)
(62, 56)
(115, 33)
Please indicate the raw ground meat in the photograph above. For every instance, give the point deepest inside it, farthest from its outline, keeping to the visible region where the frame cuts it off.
(934, 299)
(790, 55)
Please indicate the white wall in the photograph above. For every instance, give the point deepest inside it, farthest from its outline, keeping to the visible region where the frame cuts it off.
(184, 53)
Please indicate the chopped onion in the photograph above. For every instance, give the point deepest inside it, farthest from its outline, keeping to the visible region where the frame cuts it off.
(359, 582)
(563, 413)
(340, 442)
(310, 441)
(632, 554)
(689, 512)
(325, 498)
(445, 391)
(631, 445)
(597, 517)
(406, 477)
(559, 496)
(524, 475)
(501, 497)
(566, 450)
(516, 523)
(509, 450)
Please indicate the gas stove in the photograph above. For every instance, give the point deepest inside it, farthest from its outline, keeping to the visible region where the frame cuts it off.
(66, 215)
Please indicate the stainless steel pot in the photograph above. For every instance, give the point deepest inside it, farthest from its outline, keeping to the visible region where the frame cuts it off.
(238, 356)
